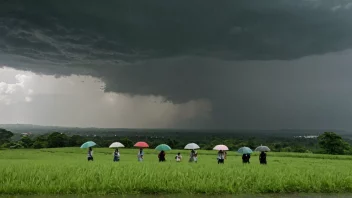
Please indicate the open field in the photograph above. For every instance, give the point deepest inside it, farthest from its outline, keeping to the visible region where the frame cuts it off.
(66, 171)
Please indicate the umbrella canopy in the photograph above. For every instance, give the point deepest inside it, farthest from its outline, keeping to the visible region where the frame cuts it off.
(262, 148)
(245, 150)
(141, 145)
(221, 147)
(191, 146)
(88, 144)
(116, 145)
(163, 147)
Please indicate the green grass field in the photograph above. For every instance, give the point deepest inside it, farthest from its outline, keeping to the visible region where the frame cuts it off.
(66, 171)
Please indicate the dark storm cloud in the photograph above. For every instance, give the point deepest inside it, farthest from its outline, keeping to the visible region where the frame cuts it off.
(224, 51)
(307, 93)
(117, 31)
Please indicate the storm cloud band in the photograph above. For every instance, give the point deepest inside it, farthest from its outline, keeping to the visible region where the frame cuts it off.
(249, 58)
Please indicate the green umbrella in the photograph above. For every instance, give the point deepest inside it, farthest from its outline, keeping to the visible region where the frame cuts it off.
(88, 144)
(245, 150)
(163, 147)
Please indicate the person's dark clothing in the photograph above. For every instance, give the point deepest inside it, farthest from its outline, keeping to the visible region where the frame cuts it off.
(262, 158)
(90, 156)
(245, 158)
(116, 156)
(161, 157)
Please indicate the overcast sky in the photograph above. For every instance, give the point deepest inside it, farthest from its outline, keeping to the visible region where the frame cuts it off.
(191, 64)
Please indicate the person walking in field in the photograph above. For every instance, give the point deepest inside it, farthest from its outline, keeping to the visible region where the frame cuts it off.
(116, 155)
(90, 154)
(161, 156)
(221, 157)
(140, 155)
(262, 158)
(178, 157)
(245, 158)
(193, 157)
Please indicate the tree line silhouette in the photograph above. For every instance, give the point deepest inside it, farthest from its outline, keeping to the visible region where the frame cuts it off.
(328, 142)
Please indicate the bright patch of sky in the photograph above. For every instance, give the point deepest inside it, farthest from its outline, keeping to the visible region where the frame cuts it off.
(26, 97)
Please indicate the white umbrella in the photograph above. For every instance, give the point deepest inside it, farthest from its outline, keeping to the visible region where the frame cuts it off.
(262, 148)
(221, 147)
(192, 146)
(116, 145)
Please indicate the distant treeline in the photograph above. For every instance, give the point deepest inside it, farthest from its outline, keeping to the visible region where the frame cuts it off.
(120, 132)
(178, 141)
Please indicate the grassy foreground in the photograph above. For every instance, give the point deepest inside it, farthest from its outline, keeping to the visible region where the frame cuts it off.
(66, 171)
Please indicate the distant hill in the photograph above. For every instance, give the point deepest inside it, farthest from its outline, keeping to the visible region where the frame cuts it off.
(36, 129)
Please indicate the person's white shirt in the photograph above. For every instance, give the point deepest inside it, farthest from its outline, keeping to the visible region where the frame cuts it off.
(195, 157)
(178, 158)
(221, 156)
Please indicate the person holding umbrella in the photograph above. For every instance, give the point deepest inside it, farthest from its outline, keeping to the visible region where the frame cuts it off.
(262, 158)
(162, 148)
(89, 145)
(221, 154)
(116, 155)
(140, 154)
(221, 157)
(245, 158)
(193, 156)
(161, 156)
(90, 154)
(245, 151)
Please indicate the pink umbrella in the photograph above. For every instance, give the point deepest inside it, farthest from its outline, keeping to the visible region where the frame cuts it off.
(221, 147)
(141, 145)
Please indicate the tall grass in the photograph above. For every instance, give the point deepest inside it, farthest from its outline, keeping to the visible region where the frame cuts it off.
(66, 171)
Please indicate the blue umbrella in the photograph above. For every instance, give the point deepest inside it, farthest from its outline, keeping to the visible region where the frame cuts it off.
(245, 150)
(88, 144)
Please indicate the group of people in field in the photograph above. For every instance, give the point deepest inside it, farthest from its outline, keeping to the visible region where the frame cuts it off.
(193, 157)
(140, 155)
(178, 157)
(245, 157)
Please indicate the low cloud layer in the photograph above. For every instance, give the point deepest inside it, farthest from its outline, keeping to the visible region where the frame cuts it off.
(272, 64)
